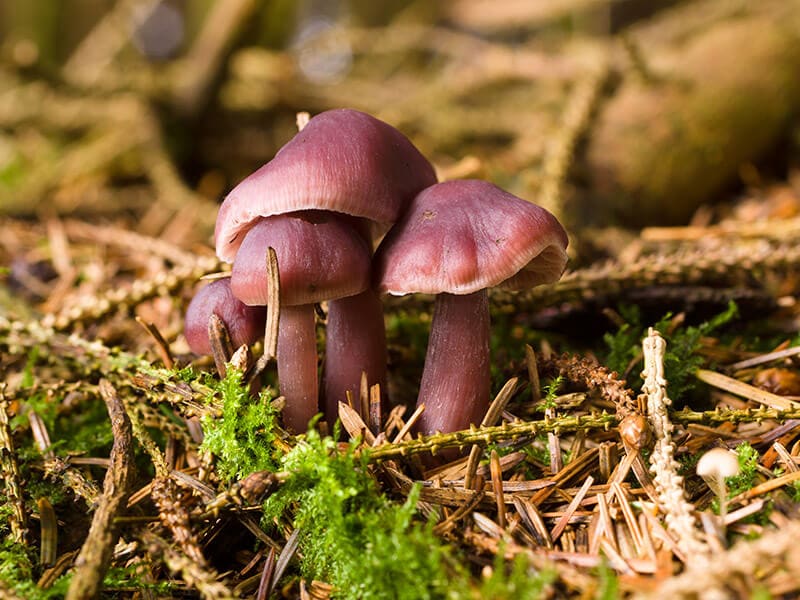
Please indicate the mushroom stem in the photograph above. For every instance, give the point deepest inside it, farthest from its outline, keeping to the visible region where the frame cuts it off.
(297, 365)
(455, 380)
(355, 343)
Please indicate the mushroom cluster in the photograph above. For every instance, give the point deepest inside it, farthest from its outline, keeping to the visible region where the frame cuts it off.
(353, 210)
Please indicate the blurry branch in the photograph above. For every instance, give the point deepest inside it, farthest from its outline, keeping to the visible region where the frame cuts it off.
(96, 53)
(194, 74)
(723, 265)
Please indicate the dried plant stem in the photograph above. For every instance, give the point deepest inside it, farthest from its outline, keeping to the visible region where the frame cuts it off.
(9, 468)
(96, 52)
(669, 485)
(86, 358)
(94, 308)
(596, 378)
(175, 517)
(728, 265)
(559, 153)
(95, 555)
(118, 237)
(775, 551)
(195, 575)
(487, 435)
(525, 429)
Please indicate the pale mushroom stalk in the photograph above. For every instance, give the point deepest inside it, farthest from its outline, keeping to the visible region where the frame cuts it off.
(455, 381)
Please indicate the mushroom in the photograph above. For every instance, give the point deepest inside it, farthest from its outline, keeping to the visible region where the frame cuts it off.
(457, 239)
(245, 324)
(347, 162)
(321, 257)
(714, 466)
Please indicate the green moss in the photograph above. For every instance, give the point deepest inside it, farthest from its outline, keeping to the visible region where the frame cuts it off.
(681, 359)
(369, 547)
(609, 583)
(517, 581)
(351, 535)
(18, 573)
(242, 439)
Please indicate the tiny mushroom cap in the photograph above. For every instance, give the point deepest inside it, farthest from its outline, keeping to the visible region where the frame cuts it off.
(718, 463)
(457, 239)
(344, 161)
(320, 257)
(245, 324)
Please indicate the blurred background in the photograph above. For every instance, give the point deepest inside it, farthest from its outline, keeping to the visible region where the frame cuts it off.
(140, 115)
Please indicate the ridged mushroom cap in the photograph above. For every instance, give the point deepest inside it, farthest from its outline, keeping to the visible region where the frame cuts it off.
(320, 257)
(462, 236)
(245, 323)
(343, 160)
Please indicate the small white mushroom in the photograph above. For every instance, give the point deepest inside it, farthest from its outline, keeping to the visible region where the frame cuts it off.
(714, 466)
(717, 463)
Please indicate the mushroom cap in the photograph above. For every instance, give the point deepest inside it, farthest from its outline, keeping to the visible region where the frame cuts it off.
(462, 236)
(320, 257)
(343, 160)
(245, 323)
(718, 462)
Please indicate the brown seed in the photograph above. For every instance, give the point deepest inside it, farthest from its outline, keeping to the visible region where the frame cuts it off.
(634, 431)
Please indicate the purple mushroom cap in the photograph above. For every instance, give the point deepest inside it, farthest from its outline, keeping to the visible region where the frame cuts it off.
(320, 257)
(245, 323)
(344, 161)
(463, 236)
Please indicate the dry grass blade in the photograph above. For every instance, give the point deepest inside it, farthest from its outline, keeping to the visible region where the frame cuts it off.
(267, 576)
(354, 424)
(740, 388)
(49, 532)
(406, 428)
(493, 414)
(284, 557)
(767, 486)
(497, 488)
(563, 521)
(221, 345)
(96, 552)
(765, 358)
(273, 305)
(162, 347)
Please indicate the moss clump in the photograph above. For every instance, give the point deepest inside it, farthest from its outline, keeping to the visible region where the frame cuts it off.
(351, 535)
(681, 359)
(368, 547)
(243, 438)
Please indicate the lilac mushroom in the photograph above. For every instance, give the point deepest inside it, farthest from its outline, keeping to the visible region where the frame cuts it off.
(347, 162)
(457, 239)
(245, 324)
(320, 257)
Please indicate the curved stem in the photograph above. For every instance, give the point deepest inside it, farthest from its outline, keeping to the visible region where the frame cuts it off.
(297, 366)
(356, 343)
(455, 381)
